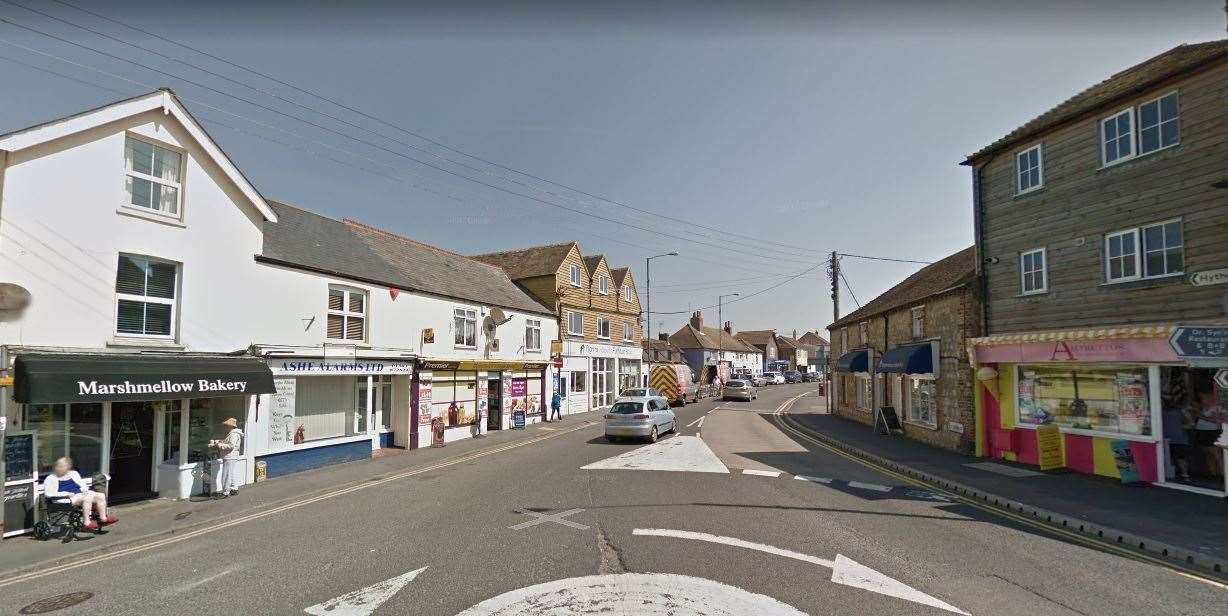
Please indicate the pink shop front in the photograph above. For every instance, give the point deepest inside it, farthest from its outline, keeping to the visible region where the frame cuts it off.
(1120, 403)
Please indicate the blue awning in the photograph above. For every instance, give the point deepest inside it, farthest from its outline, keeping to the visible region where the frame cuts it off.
(854, 361)
(908, 359)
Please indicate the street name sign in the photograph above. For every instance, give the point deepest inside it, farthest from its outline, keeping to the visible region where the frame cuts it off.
(1200, 342)
(1209, 277)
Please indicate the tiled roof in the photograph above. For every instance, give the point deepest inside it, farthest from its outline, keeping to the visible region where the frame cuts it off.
(711, 338)
(954, 271)
(351, 249)
(529, 262)
(813, 338)
(1130, 82)
(756, 336)
(619, 274)
(591, 262)
(785, 343)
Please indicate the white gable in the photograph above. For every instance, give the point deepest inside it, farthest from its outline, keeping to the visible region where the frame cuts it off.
(161, 99)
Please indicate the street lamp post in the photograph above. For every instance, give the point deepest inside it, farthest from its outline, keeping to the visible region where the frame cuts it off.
(720, 321)
(648, 277)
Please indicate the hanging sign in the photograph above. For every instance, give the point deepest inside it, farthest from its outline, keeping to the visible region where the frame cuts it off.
(1200, 342)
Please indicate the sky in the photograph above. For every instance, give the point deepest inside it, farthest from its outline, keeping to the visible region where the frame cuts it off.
(751, 138)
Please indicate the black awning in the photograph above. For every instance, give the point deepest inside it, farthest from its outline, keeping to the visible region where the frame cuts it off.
(43, 378)
(909, 359)
(854, 361)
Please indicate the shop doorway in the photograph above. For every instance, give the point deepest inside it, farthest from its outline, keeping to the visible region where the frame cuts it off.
(1193, 411)
(494, 404)
(132, 444)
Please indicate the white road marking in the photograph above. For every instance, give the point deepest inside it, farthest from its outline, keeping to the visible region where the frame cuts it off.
(542, 518)
(869, 486)
(812, 479)
(699, 421)
(364, 601)
(681, 453)
(184, 588)
(642, 594)
(754, 471)
(1003, 469)
(844, 570)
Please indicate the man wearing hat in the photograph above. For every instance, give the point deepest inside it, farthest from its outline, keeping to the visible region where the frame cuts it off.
(228, 448)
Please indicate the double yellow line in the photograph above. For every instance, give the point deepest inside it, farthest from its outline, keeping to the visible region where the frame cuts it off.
(264, 513)
(788, 424)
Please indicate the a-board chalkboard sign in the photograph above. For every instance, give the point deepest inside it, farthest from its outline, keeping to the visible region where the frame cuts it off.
(18, 507)
(518, 418)
(19, 456)
(887, 419)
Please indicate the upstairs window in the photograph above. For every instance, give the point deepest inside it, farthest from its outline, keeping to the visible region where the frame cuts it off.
(152, 176)
(1117, 136)
(347, 314)
(465, 327)
(575, 324)
(145, 291)
(603, 328)
(1028, 170)
(628, 332)
(1121, 254)
(575, 275)
(1159, 124)
(532, 335)
(1033, 276)
(918, 322)
(627, 297)
(604, 285)
(1151, 251)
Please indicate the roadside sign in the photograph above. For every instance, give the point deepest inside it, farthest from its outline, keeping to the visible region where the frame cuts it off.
(1221, 379)
(556, 347)
(558, 362)
(1209, 277)
(1200, 342)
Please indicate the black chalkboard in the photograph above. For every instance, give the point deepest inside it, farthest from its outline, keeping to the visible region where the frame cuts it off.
(518, 418)
(18, 507)
(19, 456)
(887, 418)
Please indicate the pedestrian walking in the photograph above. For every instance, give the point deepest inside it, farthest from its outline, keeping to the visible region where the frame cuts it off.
(556, 406)
(228, 449)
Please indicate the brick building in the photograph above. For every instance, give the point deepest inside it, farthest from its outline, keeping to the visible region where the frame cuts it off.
(906, 349)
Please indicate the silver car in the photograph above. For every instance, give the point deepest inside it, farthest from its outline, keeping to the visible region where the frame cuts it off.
(639, 417)
(738, 389)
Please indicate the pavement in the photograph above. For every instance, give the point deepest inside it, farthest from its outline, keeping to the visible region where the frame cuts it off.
(1169, 522)
(555, 520)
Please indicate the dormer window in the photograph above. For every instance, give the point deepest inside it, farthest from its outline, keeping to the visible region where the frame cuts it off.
(627, 297)
(575, 275)
(604, 285)
(152, 177)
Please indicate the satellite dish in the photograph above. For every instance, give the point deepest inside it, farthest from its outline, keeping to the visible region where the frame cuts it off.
(14, 299)
(499, 317)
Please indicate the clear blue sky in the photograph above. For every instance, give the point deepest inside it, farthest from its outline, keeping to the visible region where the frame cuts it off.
(820, 126)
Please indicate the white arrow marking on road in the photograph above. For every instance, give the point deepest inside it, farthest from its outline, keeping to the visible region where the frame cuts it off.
(869, 486)
(364, 601)
(843, 570)
(754, 471)
(681, 453)
(812, 479)
(699, 421)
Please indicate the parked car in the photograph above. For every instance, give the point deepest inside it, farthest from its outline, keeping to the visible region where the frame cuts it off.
(774, 378)
(642, 392)
(640, 417)
(739, 389)
(793, 376)
(812, 377)
(759, 380)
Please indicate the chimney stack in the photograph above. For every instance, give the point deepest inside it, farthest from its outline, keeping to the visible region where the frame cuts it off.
(795, 334)
(729, 327)
(663, 337)
(697, 320)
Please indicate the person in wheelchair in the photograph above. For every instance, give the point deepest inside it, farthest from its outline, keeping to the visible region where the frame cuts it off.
(65, 486)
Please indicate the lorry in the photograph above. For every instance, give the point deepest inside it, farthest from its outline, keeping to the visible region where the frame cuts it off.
(674, 381)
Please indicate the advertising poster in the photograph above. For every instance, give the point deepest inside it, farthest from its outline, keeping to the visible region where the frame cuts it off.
(424, 401)
(1126, 466)
(1049, 444)
(1132, 413)
(281, 413)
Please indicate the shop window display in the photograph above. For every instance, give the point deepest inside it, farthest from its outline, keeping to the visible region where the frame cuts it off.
(1194, 411)
(1103, 398)
(73, 430)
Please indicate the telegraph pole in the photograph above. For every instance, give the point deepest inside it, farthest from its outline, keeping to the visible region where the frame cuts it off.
(835, 286)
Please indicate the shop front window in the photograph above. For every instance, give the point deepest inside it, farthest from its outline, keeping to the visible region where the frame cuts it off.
(205, 417)
(920, 398)
(1104, 399)
(381, 403)
(603, 381)
(865, 392)
(67, 430)
(454, 397)
(171, 430)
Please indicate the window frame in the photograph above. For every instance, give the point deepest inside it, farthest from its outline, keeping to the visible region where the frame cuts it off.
(628, 331)
(346, 314)
(627, 294)
(908, 401)
(580, 330)
(574, 276)
(1138, 265)
(178, 186)
(462, 316)
(1040, 170)
(606, 322)
(1159, 124)
(864, 385)
(1133, 137)
(147, 299)
(1141, 241)
(1044, 272)
(918, 318)
(603, 285)
(532, 325)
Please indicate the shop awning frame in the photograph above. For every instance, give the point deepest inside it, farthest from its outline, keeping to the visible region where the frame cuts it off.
(921, 358)
(53, 378)
(854, 361)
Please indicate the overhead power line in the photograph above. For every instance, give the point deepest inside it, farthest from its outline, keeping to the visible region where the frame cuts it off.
(749, 295)
(850, 289)
(845, 254)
